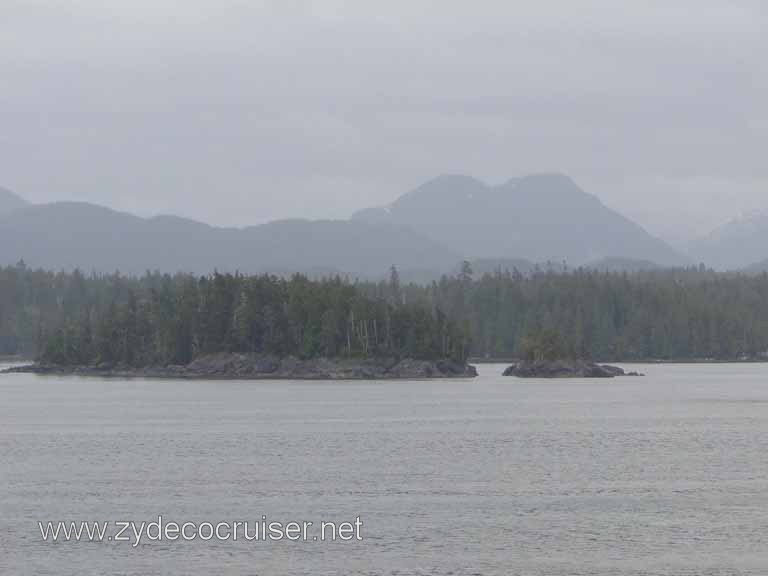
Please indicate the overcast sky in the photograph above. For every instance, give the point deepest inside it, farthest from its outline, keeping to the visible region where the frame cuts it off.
(239, 112)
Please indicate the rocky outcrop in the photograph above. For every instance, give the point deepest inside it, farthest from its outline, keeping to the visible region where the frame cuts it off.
(565, 369)
(252, 367)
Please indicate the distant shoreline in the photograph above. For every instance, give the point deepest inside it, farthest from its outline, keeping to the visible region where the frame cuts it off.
(11, 358)
(636, 361)
(250, 367)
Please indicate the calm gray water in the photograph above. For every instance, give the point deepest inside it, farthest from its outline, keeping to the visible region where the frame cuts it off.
(666, 474)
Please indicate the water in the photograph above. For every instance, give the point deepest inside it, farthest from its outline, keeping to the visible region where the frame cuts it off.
(666, 474)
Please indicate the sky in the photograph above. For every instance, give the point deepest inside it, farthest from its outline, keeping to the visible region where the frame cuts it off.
(239, 112)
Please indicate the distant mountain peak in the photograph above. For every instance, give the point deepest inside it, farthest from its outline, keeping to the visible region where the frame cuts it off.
(445, 186)
(453, 177)
(10, 201)
(736, 244)
(540, 216)
(750, 218)
(549, 178)
(551, 184)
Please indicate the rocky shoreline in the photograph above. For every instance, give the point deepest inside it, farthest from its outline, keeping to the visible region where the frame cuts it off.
(251, 367)
(565, 369)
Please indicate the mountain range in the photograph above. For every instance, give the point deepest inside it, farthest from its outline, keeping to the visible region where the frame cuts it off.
(76, 235)
(541, 218)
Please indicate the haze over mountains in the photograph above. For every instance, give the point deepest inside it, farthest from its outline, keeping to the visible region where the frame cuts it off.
(541, 218)
(740, 243)
(69, 235)
(10, 202)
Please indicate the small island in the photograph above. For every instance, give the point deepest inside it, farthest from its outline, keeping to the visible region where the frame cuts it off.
(230, 326)
(253, 367)
(565, 369)
(547, 355)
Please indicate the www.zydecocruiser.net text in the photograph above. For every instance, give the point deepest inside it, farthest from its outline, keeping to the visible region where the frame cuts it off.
(161, 530)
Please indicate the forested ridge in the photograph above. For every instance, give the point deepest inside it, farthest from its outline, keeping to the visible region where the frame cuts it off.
(676, 314)
(162, 319)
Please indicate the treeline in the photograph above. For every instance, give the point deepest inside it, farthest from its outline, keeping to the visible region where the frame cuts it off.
(673, 314)
(160, 319)
(666, 314)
